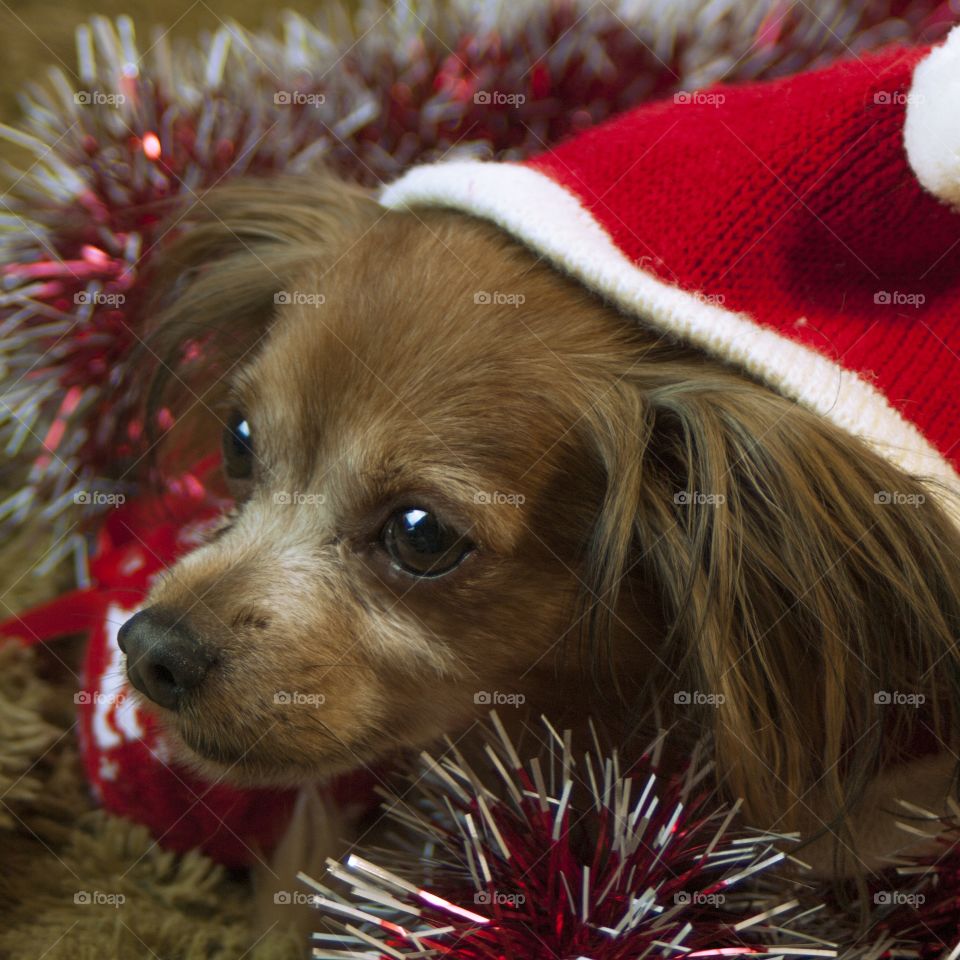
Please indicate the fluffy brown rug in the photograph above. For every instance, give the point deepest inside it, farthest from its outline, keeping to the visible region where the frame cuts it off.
(64, 865)
(76, 883)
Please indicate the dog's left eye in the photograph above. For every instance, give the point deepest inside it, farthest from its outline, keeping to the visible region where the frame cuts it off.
(421, 545)
(238, 448)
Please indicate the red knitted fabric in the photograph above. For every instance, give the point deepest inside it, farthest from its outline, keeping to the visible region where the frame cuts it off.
(789, 227)
(793, 201)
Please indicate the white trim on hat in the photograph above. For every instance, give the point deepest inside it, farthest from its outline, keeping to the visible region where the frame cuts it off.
(931, 131)
(546, 217)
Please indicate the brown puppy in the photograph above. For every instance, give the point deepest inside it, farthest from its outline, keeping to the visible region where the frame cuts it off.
(443, 503)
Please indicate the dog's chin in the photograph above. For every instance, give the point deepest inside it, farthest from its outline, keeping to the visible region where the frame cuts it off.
(256, 765)
(243, 761)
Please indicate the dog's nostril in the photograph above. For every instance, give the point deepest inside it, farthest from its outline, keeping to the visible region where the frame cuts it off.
(164, 659)
(162, 676)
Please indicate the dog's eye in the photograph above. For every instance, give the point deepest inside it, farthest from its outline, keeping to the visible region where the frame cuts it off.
(238, 448)
(421, 545)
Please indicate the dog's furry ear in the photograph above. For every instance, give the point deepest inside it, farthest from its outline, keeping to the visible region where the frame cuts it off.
(795, 598)
(214, 286)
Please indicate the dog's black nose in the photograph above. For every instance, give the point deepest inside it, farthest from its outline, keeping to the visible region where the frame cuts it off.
(164, 659)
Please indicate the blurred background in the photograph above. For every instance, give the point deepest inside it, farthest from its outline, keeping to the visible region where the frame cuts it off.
(37, 34)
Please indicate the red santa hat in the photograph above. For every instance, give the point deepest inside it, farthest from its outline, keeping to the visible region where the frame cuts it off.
(806, 230)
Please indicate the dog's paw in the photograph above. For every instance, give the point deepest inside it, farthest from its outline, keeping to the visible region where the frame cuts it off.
(319, 829)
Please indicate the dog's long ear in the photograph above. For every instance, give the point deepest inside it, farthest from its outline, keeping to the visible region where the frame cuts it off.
(811, 590)
(214, 286)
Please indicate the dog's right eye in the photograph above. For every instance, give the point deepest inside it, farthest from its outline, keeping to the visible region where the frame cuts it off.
(238, 448)
(421, 545)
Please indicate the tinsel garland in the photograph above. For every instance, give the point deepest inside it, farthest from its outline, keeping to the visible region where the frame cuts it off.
(564, 856)
(139, 133)
(917, 914)
(569, 855)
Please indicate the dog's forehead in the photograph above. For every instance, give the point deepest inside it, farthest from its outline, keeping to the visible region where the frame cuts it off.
(435, 353)
(339, 392)
(399, 341)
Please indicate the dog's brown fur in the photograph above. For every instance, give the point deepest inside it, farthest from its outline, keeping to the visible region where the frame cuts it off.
(784, 589)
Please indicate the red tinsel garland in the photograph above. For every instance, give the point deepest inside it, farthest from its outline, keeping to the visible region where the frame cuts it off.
(561, 857)
(565, 857)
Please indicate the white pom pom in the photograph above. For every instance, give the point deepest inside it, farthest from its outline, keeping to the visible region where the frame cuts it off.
(931, 132)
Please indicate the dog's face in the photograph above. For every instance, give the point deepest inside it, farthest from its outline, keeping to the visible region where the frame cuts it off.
(414, 501)
(463, 482)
